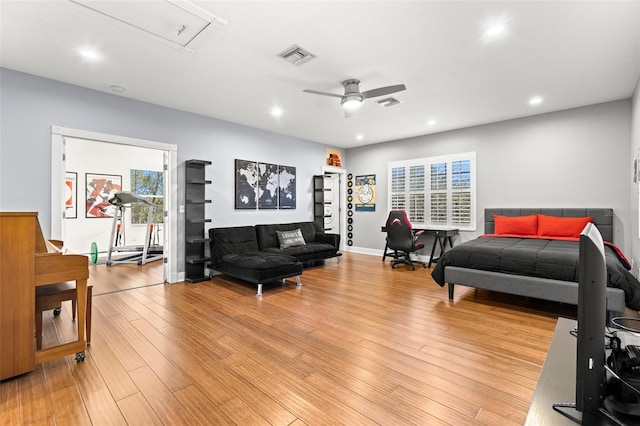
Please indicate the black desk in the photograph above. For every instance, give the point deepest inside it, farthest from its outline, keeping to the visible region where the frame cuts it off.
(440, 238)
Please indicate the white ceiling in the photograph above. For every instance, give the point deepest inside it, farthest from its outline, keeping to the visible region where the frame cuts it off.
(570, 53)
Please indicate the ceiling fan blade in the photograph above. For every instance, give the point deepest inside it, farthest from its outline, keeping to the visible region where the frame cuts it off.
(315, 92)
(380, 91)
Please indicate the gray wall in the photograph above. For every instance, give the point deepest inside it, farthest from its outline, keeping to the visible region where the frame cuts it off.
(572, 158)
(31, 105)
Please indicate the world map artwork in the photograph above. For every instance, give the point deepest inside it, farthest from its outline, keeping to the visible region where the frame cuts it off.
(264, 185)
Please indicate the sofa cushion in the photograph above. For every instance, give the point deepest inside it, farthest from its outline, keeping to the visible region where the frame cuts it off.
(259, 267)
(236, 239)
(309, 252)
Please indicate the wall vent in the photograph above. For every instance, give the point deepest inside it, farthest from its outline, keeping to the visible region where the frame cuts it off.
(387, 102)
(297, 55)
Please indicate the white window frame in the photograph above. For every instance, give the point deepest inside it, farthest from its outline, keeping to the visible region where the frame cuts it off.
(427, 162)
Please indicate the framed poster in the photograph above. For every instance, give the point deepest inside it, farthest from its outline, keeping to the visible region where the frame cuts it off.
(99, 188)
(246, 184)
(267, 186)
(365, 193)
(287, 187)
(71, 195)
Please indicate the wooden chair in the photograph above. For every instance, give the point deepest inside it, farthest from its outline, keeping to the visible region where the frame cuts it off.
(51, 296)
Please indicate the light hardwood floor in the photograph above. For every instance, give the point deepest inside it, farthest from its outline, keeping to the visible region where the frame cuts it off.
(358, 343)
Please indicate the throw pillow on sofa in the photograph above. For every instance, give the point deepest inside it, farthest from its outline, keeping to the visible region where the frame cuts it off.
(290, 238)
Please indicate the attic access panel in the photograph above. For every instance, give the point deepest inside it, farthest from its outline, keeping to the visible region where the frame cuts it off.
(176, 22)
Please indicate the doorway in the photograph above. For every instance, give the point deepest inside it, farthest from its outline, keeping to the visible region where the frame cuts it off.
(336, 180)
(63, 138)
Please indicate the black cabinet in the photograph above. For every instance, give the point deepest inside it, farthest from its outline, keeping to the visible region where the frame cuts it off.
(194, 221)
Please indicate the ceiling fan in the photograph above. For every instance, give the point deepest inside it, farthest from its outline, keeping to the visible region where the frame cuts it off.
(353, 97)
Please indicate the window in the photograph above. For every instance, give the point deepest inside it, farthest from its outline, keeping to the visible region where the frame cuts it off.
(435, 191)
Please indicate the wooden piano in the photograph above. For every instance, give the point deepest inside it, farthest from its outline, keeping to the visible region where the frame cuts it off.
(27, 260)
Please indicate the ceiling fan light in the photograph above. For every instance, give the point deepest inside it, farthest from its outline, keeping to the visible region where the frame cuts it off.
(352, 102)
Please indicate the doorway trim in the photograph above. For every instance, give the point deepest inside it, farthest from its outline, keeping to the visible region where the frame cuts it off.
(58, 134)
(329, 170)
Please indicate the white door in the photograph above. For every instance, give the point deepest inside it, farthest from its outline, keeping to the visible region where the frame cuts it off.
(332, 203)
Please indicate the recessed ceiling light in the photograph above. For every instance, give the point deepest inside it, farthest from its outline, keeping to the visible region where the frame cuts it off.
(536, 100)
(89, 54)
(276, 111)
(359, 136)
(431, 122)
(494, 29)
(117, 89)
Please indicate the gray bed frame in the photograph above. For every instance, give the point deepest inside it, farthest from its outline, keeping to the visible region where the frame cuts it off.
(539, 288)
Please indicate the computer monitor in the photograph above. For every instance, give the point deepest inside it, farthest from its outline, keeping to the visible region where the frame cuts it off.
(592, 308)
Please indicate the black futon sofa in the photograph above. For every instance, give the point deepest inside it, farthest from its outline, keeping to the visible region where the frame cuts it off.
(256, 253)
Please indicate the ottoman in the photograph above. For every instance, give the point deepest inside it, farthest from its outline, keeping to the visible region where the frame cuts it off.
(259, 267)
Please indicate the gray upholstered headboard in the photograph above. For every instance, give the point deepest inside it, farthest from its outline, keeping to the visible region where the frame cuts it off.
(602, 218)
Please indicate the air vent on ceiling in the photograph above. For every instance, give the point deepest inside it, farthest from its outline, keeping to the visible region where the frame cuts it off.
(387, 102)
(297, 55)
(178, 23)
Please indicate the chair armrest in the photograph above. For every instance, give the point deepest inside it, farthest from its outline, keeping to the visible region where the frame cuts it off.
(333, 239)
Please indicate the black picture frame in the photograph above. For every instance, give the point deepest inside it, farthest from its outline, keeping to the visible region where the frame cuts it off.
(268, 186)
(246, 184)
(286, 187)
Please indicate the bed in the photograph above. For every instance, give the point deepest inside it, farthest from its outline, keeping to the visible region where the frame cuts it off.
(538, 265)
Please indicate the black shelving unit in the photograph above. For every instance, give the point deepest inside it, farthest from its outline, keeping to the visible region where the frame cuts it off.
(194, 221)
(319, 199)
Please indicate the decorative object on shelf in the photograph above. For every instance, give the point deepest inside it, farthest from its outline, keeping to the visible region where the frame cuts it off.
(71, 199)
(365, 193)
(333, 157)
(194, 220)
(99, 189)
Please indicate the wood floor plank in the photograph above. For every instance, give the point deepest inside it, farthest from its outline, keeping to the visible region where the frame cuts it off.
(35, 400)
(137, 411)
(96, 396)
(10, 402)
(160, 398)
(203, 409)
(358, 343)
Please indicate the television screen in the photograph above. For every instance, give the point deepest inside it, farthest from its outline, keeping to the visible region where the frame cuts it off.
(592, 307)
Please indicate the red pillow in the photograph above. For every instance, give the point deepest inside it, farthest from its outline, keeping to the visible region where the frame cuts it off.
(526, 226)
(552, 226)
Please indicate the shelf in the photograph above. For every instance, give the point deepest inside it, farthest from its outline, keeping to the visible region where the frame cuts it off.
(197, 163)
(199, 220)
(197, 279)
(197, 240)
(197, 260)
(194, 231)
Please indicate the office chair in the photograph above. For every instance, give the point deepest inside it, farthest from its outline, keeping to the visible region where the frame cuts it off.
(402, 239)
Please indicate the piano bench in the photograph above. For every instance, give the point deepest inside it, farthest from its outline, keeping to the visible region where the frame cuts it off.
(51, 296)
